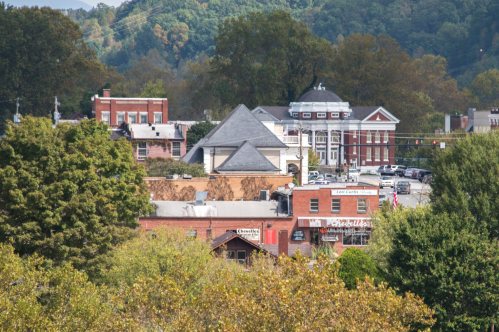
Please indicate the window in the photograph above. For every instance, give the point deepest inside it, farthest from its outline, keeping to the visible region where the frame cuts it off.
(307, 115)
(361, 205)
(230, 255)
(356, 239)
(354, 150)
(369, 139)
(335, 138)
(334, 154)
(335, 204)
(143, 118)
(368, 154)
(121, 118)
(385, 138)
(157, 118)
(314, 237)
(310, 138)
(314, 205)
(295, 115)
(355, 133)
(376, 154)
(132, 119)
(241, 257)
(377, 138)
(142, 151)
(385, 155)
(191, 232)
(175, 149)
(335, 115)
(105, 118)
(321, 138)
(321, 115)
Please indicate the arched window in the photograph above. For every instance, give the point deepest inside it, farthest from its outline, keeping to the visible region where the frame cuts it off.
(385, 139)
(369, 138)
(377, 138)
(335, 138)
(321, 137)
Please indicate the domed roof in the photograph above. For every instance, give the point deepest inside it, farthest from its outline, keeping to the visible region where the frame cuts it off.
(319, 96)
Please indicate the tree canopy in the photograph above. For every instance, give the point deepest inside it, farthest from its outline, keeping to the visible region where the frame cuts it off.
(197, 132)
(68, 193)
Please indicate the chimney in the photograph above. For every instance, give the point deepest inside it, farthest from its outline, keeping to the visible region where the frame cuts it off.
(107, 93)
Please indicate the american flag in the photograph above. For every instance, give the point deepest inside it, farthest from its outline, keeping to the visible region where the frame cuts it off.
(395, 198)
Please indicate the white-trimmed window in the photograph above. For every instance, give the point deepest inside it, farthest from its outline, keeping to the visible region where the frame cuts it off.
(385, 137)
(120, 118)
(321, 115)
(377, 137)
(335, 115)
(335, 204)
(376, 154)
(176, 149)
(355, 133)
(295, 115)
(191, 233)
(307, 115)
(335, 138)
(321, 137)
(368, 154)
(143, 118)
(310, 138)
(369, 138)
(385, 155)
(106, 118)
(142, 150)
(158, 118)
(354, 150)
(361, 205)
(314, 205)
(230, 255)
(356, 238)
(132, 118)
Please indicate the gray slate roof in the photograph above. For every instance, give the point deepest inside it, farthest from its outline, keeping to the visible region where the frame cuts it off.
(361, 112)
(319, 96)
(280, 112)
(116, 134)
(263, 117)
(195, 155)
(239, 126)
(246, 158)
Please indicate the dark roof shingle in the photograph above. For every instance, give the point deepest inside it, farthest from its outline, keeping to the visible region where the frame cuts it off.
(319, 96)
(246, 158)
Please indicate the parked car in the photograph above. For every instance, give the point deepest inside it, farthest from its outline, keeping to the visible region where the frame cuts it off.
(403, 187)
(408, 172)
(415, 174)
(313, 173)
(385, 170)
(382, 198)
(329, 176)
(400, 171)
(422, 174)
(427, 179)
(392, 169)
(381, 169)
(386, 181)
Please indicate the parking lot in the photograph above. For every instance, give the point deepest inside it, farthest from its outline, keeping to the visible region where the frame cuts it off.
(419, 191)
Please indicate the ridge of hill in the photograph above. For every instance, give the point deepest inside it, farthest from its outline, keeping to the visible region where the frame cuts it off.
(56, 4)
(171, 32)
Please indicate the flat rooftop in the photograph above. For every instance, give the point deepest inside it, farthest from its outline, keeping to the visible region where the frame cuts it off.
(340, 185)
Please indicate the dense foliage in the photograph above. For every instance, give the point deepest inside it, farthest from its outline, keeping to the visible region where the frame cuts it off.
(68, 193)
(198, 131)
(356, 264)
(169, 166)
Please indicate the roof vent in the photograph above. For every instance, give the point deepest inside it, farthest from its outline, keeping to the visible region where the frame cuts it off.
(200, 197)
(157, 133)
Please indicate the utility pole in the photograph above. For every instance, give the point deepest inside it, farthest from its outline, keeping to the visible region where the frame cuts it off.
(57, 116)
(301, 156)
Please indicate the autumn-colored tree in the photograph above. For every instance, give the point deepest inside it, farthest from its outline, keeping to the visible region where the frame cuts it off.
(485, 87)
(314, 160)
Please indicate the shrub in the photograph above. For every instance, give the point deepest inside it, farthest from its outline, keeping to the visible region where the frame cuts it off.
(326, 248)
(170, 166)
(355, 263)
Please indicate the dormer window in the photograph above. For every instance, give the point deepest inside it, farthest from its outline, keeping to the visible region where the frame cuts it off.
(321, 115)
(295, 115)
(307, 115)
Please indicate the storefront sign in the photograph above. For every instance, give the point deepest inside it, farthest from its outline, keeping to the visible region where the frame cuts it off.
(330, 238)
(315, 223)
(330, 222)
(353, 192)
(298, 236)
(252, 234)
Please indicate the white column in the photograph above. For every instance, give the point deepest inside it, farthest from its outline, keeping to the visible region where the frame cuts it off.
(282, 161)
(342, 148)
(313, 137)
(207, 160)
(328, 150)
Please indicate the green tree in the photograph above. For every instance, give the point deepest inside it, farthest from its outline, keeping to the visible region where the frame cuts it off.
(68, 193)
(197, 132)
(450, 262)
(465, 180)
(355, 263)
(268, 59)
(314, 160)
(154, 90)
(485, 87)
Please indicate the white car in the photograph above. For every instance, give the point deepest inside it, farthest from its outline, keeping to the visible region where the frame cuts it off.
(386, 181)
(408, 172)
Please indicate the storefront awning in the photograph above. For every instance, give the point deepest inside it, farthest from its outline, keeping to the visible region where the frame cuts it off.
(335, 222)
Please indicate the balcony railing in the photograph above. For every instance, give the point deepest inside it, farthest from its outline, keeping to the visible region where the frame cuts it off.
(290, 139)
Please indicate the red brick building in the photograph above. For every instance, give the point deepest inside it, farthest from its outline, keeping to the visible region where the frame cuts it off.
(143, 121)
(336, 213)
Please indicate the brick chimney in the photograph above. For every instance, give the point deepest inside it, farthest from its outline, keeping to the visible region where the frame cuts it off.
(107, 93)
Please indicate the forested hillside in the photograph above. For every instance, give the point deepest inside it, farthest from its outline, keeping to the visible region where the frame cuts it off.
(172, 32)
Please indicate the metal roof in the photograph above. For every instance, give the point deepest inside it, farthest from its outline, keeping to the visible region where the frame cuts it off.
(223, 209)
(246, 158)
(165, 130)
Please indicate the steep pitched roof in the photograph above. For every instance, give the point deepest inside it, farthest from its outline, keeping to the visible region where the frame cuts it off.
(279, 112)
(264, 117)
(246, 158)
(239, 126)
(227, 236)
(195, 155)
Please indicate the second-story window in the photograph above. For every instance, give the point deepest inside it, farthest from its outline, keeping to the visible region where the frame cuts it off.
(355, 133)
(335, 204)
(335, 138)
(385, 138)
(143, 118)
(369, 138)
(295, 115)
(157, 118)
(377, 138)
(121, 118)
(132, 119)
(314, 205)
(176, 149)
(307, 115)
(321, 138)
(321, 115)
(105, 118)
(361, 205)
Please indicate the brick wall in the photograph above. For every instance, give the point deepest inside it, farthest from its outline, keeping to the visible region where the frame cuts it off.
(382, 146)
